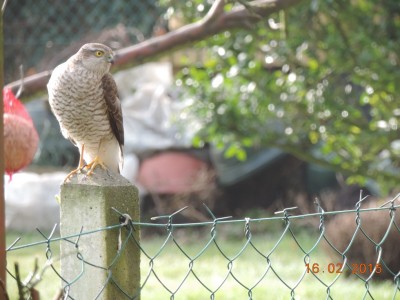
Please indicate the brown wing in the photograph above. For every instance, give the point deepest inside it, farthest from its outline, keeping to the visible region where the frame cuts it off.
(113, 107)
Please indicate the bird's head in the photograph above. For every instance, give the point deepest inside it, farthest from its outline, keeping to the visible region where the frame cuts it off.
(96, 57)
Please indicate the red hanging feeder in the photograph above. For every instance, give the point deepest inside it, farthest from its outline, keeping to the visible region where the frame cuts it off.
(20, 136)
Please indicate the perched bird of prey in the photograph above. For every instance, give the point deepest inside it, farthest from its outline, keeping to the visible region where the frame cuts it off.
(83, 96)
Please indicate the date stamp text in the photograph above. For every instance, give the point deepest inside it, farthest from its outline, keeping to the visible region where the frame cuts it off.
(337, 268)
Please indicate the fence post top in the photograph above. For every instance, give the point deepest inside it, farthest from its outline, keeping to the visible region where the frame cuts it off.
(100, 177)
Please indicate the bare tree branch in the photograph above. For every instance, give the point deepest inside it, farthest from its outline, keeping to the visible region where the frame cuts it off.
(215, 11)
(215, 21)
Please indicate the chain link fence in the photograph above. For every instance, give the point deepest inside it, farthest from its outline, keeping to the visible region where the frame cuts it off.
(42, 33)
(311, 256)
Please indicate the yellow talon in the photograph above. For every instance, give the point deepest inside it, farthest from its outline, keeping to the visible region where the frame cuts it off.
(80, 166)
(93, 164)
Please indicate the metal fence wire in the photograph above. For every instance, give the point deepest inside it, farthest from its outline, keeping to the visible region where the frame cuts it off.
(42, 33)
(270, 258)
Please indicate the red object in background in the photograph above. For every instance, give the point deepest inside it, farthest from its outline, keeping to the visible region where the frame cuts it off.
(170, 173)
(20, 136)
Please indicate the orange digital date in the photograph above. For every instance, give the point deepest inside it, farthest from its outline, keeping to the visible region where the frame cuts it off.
(338, 268)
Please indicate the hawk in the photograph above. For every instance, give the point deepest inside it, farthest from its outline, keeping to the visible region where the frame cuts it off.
(84, 98)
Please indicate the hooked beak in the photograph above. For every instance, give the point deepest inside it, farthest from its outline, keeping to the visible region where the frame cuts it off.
(110, 59)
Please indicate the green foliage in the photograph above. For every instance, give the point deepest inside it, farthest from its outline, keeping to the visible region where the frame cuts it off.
(325, 88)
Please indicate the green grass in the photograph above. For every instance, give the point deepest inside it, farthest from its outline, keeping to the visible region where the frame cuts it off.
(247, 266)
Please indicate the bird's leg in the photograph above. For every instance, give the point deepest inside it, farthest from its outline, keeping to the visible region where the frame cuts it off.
(93, 164)
(80, 166)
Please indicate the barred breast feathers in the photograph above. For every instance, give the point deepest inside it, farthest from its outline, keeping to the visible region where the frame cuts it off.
(84, 98)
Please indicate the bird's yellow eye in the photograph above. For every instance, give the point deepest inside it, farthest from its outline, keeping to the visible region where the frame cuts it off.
(99, 53)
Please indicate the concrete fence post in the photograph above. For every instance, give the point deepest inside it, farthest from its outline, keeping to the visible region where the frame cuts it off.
(95, 267)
